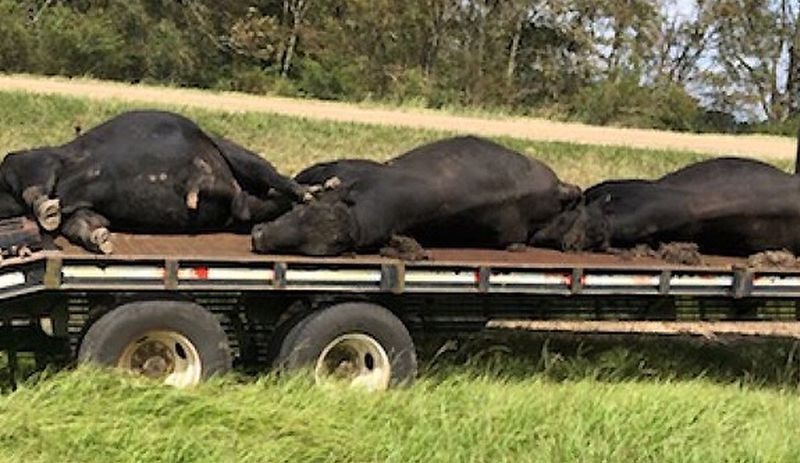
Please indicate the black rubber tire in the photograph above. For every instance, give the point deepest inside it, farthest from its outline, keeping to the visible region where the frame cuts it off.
(281, 332)
(304, 343)
(107, 338)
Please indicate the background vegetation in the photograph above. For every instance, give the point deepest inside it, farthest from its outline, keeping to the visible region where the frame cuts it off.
(723, 65)
(497, 397)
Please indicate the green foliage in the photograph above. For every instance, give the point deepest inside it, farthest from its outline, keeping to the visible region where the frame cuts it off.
(624, 101)
(720, 121)
(675, 109)
(497, 56)
(96, 416)
(788, 127)
(250, 79)
(611, 101)
(73, 44)
(330, 78)
(15, 40)
(410, 87)
(168, 56)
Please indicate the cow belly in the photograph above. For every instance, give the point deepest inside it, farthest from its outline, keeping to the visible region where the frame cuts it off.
(747, 235)
(156, 210)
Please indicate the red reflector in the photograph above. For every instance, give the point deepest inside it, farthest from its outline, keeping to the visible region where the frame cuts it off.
(201, 273)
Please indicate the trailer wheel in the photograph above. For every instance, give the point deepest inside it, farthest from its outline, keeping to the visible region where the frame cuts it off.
(359, 344)
(177, 343)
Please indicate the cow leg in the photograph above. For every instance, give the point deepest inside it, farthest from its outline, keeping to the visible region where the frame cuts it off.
(250, 209)
(208, 185)
(245, 207)
(47, 210)
(90, 230)
(256, 174)
(32, 176)
(205, 181)
(509, 226)
(513, 236)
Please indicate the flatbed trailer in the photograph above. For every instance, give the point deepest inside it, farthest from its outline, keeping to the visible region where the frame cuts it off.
(182, 308)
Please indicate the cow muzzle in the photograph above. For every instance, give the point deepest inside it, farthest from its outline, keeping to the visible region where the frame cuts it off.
(268, 238)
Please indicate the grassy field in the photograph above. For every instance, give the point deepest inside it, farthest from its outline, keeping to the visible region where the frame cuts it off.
(90, 416)
(293, 143)
(527, 128)
(495, 398)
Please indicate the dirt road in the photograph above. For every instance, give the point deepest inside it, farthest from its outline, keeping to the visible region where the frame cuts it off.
(526, 128)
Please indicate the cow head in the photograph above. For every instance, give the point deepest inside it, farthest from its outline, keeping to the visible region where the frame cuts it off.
(319, 228)
(582, 228)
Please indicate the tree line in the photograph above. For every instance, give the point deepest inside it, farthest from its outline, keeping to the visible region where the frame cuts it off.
(691, 65)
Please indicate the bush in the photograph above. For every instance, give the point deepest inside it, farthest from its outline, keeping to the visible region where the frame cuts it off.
(410, 87)
(718, 121)
(252, 78)
(625, 102)
(673, 108)
(74, 44)
(15, 37)
(330, 79)
(612, 102)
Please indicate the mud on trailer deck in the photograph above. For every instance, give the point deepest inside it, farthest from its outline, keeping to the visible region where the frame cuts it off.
(182, 308)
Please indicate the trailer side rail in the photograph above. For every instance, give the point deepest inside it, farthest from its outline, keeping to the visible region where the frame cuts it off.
(52, 271)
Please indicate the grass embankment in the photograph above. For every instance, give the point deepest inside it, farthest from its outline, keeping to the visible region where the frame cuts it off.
(89, 416)
(503, 398)
(293, 143)
(567, 399)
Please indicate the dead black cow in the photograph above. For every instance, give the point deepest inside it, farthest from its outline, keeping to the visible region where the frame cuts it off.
(728, 206)
(142, 171)
(462, 191)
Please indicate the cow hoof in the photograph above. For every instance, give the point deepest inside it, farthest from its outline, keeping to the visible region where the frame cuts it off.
(517, 247)
(314, 189)
(192, 199)
(48, 213)
(332, 183)
(101, 240)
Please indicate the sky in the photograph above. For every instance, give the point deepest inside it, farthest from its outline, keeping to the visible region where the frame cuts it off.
(684, 7)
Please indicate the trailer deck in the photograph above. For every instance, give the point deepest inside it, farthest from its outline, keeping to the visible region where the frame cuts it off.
(228, 246)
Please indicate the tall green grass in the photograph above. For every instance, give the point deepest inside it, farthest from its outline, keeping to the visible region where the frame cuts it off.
(92, 416)
(498, 397)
